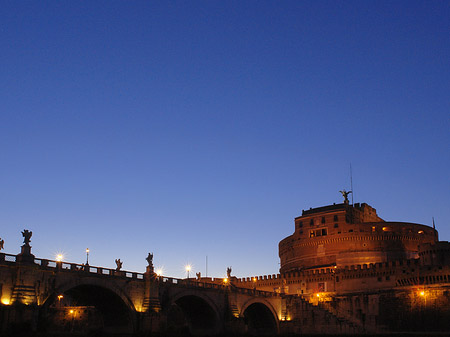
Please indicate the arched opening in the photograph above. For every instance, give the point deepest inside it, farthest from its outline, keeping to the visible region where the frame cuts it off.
(192, 315)
(259, 320)
(85, 309)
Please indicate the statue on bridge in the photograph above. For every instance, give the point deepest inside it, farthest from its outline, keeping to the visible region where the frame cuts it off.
(149, 259)
(2, 243)
(118, 264)
(229, 272)
(26, 236)
(199, 276)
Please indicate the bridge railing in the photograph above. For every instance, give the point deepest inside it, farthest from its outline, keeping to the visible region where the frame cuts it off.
(7, 257)
(61, 265)
(209, 285)
(74, 267)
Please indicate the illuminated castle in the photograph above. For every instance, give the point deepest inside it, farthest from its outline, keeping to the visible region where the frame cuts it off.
(348, 262)
(344, 235)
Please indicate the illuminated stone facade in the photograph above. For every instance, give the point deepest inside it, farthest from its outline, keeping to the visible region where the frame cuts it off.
(349, 262)
(344, 235)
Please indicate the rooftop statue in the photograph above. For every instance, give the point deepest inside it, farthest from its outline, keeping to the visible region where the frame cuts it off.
(229, 272)
(345, 195)
(2, 243)
(26, 236)
(199, 275)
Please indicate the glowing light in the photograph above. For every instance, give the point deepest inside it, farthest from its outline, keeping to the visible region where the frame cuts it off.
(225, 280)
(159, 272)
(188, 269)
(254, 279)
(60, 296)
(71, 311)
(422, 293)
(5, 301)
(59, 257)
(318, 295)
(420, 232)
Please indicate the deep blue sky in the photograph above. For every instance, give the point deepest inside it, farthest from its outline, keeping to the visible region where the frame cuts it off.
(203, 128)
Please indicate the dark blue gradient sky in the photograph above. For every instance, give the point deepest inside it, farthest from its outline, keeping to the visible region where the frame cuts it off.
(202, 128)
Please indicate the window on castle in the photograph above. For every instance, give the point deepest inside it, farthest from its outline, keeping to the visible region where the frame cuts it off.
(350, 230)
(335, 218)
(318, 232)
(323, 219)
(300, 224)
(311, 222)
(336, 225)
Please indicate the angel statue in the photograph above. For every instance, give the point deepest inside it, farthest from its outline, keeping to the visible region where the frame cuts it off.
(2, 243)
(345, 195)
(27, 236)
(199, 275)
(229, 272)
(118, 264)
(149, 259)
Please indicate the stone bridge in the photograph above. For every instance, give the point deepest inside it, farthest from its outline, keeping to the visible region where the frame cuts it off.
(46, 295)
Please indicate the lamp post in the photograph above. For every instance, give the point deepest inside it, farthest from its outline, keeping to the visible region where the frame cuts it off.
(188, 269)
(87, 256)
(59, 300)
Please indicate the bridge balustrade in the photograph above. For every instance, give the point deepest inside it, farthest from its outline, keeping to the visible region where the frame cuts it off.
(8, 257)
(74, 267)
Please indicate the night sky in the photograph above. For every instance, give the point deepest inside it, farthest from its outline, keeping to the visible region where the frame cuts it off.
(203, 128)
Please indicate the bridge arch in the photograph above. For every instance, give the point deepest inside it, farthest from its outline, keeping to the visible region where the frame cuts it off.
(92, 281)
(260, 317)
(91, 303)
(200, 313)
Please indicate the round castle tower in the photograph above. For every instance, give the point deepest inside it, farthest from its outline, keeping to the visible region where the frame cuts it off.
(343, 235)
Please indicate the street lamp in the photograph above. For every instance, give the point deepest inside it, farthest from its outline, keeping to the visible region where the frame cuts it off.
(87, 256)
(59, 300)
(188, 269)
(59, 257)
